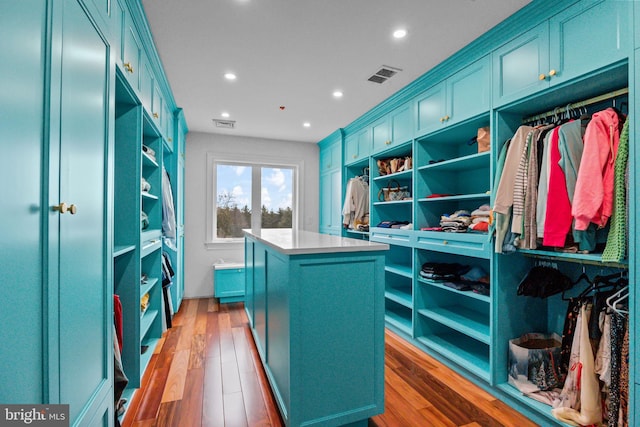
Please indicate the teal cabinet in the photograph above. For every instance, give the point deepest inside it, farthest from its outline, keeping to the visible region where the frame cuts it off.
(131, 53)
(520, 66)
(331, 202)
(310, 345)
(331, 184)
(229, 282)
(401, 123)
(357, 147)
(380, 134)
(22, 62)
(56, 228)
(572, 43)
(461, 96)
(249, 280)
(147, 83)
(588, 36)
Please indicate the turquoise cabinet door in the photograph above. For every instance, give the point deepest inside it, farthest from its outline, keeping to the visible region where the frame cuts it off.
(249, 248)
(357, 146)
(260, 300)
(330, 157)
(589, 36)
(380, 135)
(131, 53)
(84, 289)
(520, 67)
(330, 203)
(147, 83)
(336, 202)
(401, 124)
(118, 23)
(22, 65)
(430, 109)
(469, 91)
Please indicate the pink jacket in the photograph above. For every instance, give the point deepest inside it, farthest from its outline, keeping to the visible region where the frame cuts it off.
(593, 198)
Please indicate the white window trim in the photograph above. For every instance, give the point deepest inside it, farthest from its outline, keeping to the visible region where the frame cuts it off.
(213, 159)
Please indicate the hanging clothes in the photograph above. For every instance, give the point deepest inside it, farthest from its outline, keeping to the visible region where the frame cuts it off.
(355, 211)
(168, 212)
(593, 200)
(543, 186)
(616, 248)
(584, 387)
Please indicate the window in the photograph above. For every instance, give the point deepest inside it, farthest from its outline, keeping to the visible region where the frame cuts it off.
(250, 195)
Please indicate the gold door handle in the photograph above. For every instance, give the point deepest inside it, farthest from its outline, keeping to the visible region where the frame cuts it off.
(552, 73)
(387, 142)
(446, 118)
(73, 209)
(170, 139)
(127, 66)
(441, 119)
(444, 242)
(156, 115)
(354, 156)
(542, 77)
(62, 208)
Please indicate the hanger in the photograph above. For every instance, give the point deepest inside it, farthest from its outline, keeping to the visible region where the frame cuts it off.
(617, 298)
(580, 278)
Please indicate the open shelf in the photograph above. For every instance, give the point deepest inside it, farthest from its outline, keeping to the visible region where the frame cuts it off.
(593, 258)
(147, 320)
(469, 294)
(461, 350)
(146, 287)
(398, 175)
(399, 269)
(458, 197)
(122, 249)
(148, 161)
(399, 320)
(463, 320)
(400, 296)
(471, 161)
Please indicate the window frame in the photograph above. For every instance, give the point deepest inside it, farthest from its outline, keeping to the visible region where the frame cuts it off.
(213, 159)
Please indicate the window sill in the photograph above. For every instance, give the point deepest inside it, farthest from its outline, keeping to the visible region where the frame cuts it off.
(224, 244)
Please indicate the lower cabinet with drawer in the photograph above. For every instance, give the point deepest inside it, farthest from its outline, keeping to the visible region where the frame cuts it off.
(228, 282)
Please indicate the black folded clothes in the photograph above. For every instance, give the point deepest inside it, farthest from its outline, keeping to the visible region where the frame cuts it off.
(457, 276)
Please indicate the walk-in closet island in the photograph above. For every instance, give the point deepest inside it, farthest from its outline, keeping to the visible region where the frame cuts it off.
(315, 305)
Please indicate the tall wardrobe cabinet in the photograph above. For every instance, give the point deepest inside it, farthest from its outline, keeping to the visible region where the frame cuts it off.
(56, 293)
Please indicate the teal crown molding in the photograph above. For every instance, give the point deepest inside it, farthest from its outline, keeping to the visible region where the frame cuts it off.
(142, 25)
(335, 136)
(526, 18)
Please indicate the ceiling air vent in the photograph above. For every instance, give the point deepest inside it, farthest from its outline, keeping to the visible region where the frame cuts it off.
(383, 74)
(225, 124)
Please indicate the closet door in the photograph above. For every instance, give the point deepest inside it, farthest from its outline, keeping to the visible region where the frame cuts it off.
(85, 295)
(22, 64)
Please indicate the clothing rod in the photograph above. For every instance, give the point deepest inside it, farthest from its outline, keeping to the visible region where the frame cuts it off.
(579, 104)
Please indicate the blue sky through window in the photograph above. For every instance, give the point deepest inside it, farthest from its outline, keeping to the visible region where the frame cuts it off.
(276, 186)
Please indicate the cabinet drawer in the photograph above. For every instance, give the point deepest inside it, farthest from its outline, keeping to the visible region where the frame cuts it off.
(391, 236)
(228, 282)
(476, 245)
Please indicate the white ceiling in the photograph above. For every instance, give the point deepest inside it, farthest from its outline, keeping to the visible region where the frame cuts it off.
(295, 53)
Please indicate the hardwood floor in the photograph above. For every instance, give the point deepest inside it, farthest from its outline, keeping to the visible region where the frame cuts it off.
(206, 372)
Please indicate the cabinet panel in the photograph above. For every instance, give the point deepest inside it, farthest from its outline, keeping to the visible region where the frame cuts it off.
(517, 65)
(357, 146)
(260, 300)
(22, 63)
(380, 135)
(147, 83)
(118, 24)
(430, 109)
(330, 202)
(249, 248)
(401, 124)
(469, 91)
(582, 39)
(131, 53)
(330, 157)
(84, 312)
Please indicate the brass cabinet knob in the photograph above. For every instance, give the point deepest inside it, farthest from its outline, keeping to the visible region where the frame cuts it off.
(355, 156)
(62, 208)
(127, 66)
(446, 118)
(542, 77)
(156, 115)
(170, 139)
(441, 119)
(552, 73)
(387, 142)
(73, 209)
(444, 242)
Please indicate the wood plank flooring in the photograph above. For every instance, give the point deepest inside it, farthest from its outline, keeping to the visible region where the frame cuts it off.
(206, 372)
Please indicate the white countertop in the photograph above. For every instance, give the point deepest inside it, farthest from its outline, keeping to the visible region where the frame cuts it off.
(297, 242)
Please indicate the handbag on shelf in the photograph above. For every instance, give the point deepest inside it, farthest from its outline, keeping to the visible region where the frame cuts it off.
(392, 194)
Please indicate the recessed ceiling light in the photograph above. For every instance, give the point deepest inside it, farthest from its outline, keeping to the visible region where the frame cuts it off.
(230, 76)
(337, 94)
(400, 33)
(225, 114)
(306, 124)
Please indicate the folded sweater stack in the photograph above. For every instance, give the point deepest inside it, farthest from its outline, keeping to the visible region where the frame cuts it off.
(457, 222)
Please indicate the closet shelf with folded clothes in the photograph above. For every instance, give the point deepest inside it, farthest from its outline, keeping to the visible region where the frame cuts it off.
(471, 161)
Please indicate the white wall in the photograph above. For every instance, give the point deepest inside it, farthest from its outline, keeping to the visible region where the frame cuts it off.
(198, 277)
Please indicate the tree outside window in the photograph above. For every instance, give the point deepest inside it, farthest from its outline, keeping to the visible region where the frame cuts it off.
(240, 187)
